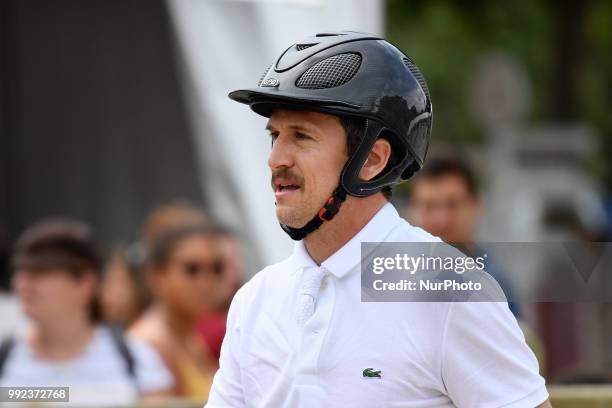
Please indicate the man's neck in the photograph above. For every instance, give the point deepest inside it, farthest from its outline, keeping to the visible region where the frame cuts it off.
(354, 214)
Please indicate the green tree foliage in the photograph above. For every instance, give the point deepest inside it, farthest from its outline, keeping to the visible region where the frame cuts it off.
(565, 46)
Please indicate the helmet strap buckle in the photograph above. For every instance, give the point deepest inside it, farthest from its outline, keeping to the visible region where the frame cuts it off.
(325, 214)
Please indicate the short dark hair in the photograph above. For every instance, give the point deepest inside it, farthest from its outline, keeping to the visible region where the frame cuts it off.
(60, 243)
(439, 167)
(354, 127)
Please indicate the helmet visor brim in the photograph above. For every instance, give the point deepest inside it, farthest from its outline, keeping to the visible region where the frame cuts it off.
(263, 103)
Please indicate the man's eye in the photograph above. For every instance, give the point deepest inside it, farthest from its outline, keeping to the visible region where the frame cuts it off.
(301, 136)
(273, 137)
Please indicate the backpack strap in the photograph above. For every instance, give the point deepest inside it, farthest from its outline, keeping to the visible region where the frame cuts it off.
(125, 352)
(5, 348)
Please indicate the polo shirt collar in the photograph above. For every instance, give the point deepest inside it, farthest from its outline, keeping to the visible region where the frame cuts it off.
(349, 255)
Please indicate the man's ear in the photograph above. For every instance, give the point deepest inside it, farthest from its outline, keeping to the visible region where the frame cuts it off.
(379, 156)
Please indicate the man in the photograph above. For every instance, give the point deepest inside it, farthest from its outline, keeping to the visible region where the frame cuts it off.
(445, 201)
(350, 116)
(57, 268)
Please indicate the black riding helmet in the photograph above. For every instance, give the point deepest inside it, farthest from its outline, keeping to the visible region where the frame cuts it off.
(352, 74)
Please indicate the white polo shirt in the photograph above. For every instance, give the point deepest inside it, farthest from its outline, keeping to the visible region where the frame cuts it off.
(428, 354)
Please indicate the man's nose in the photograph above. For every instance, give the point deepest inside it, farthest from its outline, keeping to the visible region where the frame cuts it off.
(440, 218)
(281, 154)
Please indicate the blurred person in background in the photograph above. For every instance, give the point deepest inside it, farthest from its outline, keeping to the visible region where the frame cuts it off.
(184, 268)
(168, 216)
(57, 268)
(212, 325)
(445, 201)
(124, 292)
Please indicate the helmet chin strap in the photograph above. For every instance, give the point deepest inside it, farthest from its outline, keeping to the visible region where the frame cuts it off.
(327, 213)
(332, 205)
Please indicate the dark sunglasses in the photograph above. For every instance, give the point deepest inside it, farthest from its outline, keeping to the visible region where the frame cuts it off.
(193, 268)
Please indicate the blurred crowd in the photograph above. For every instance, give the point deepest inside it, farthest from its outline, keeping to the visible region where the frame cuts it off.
(445, 200)
(145, 322)
(569, 338)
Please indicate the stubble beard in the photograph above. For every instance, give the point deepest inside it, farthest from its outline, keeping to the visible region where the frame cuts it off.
(294, 217)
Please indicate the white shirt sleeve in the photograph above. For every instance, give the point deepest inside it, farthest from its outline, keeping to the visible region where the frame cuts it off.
(486, 361)
(226, 390)
(151, 372)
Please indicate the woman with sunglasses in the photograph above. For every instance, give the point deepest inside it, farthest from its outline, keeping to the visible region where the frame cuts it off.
(183, 268)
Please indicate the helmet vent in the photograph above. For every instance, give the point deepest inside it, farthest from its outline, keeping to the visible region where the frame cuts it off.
(330, 72)
(300, 47)
(417, 74)
(264, 75)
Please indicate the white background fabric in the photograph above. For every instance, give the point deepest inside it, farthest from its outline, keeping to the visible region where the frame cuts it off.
(226, 45)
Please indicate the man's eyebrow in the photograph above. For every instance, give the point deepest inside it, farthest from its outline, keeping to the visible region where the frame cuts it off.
(302, 127)
(271, 128)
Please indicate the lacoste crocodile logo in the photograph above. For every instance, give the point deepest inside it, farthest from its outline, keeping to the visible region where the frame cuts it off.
(370, 373)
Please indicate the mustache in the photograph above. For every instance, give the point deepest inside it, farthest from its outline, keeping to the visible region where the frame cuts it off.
(285, 173)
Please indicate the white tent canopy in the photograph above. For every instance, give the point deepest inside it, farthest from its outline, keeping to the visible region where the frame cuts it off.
(225, 45)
